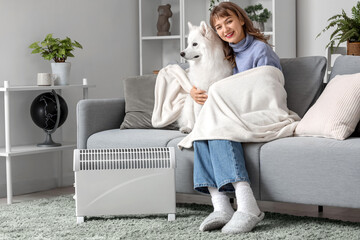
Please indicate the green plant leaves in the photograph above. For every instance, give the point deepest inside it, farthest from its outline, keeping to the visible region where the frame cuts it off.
(55, 48)
(212, 4)
(254, 13)
(34, 45)
(37, 50)
(346, 28)
(62, 52)
(78, 45)
(49, 36)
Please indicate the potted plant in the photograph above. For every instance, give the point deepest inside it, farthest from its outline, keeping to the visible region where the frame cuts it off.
(347, 29)
(57, 50)
(257, 16)
(212, 4)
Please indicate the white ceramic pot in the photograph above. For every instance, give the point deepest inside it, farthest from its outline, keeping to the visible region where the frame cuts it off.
(259, 25)
(62, 71)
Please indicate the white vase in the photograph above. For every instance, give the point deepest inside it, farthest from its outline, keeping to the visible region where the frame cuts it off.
(62, 71)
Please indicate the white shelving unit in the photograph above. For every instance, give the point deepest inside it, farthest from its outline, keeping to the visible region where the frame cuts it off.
(158, 51)
(10, 151)
(155, 51)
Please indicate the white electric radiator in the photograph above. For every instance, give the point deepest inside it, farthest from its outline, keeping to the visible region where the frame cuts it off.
(124, 181)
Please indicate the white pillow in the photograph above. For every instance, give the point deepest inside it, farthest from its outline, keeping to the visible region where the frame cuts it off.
(336, 112)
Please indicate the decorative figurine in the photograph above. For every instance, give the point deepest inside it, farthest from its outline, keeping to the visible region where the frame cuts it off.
(163, 24)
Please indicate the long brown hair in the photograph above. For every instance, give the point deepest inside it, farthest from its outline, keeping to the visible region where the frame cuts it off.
(223, 10)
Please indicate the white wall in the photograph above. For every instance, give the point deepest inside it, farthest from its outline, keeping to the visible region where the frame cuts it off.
(108, 31)
(312, 16)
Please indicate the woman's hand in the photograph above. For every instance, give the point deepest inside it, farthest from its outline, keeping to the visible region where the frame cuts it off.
(198, 95)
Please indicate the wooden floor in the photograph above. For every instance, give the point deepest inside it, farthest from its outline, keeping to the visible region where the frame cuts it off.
(344, 214)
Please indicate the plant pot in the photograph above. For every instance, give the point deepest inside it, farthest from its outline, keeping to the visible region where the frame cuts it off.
(353, 48)
(259, 25)
(62, 71)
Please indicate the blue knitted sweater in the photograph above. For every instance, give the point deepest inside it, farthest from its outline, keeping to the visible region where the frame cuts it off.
(251, 53)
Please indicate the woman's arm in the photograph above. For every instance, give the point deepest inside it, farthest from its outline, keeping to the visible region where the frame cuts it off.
(268, 57)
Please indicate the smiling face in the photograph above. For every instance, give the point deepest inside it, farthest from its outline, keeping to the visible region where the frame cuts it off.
(230, 28)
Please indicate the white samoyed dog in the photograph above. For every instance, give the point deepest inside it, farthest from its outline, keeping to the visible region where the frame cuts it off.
(206, 58)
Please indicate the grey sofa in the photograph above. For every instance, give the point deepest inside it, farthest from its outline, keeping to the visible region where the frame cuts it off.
(307, 170)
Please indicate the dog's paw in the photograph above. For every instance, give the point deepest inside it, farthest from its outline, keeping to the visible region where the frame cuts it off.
(185, 130)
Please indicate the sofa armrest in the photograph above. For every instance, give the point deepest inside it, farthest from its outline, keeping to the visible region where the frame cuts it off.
(95, 115)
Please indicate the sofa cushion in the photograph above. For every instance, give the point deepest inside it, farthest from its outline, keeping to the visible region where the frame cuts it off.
(132, 138)
(337, 111)
(185, 165)
(345, 65)
(139, 102)
(252, 162)
(311, 170)
(303, 81)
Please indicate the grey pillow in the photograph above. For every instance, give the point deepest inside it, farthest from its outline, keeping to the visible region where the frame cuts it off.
(346, 64)
(303, 81)
(139, 102)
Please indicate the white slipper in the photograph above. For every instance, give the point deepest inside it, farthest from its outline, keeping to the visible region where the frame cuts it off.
(215, 220)
(242, 222)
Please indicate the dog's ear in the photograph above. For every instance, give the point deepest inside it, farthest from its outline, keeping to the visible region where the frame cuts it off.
(190, 26)
(204, 28)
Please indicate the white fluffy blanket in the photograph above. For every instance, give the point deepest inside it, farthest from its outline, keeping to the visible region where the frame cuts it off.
(247, 107)
(171, 88)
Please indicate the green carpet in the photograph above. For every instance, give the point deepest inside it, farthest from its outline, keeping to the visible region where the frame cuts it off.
(55, 219)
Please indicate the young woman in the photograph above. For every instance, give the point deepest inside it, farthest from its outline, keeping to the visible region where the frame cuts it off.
(219, 165)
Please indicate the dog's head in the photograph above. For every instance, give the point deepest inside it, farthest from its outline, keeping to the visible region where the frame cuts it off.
(198, 40)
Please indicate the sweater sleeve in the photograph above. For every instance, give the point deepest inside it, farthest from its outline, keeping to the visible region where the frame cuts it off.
(267, 57)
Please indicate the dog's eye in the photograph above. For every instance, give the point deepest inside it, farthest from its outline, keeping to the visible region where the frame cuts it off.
(194, 44)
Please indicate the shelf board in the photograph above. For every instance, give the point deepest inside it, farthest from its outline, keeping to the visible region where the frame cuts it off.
(268, 33)
(33, 149)
(161, 37)
(39, 88)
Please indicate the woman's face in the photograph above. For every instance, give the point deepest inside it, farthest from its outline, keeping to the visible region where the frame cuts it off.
(230, 28)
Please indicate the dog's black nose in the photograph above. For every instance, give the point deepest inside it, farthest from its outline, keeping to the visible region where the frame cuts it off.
(182, 54)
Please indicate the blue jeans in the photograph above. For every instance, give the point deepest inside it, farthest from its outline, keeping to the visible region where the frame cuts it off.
(218, 163)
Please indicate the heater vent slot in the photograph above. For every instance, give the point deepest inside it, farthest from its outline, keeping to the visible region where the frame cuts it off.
(126, 158)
